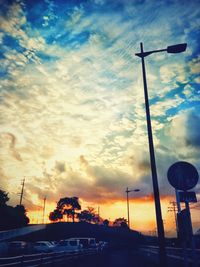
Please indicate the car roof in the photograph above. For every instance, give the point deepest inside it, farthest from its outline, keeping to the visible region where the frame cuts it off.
(46, 242)
(17, 243)
(82, 238)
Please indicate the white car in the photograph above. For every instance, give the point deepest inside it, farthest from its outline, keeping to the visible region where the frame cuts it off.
(87, 242)
(53, 243)
(102, 245)
(43, 246)
(68, 245)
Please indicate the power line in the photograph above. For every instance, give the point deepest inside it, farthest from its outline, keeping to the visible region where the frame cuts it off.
(32, 203)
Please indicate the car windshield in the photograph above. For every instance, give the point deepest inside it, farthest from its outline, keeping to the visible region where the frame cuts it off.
(84, 241)
(40, 244)
(16, 244)
(63, 243)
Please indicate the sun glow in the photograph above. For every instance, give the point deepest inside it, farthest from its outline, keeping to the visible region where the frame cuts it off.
(142, 214)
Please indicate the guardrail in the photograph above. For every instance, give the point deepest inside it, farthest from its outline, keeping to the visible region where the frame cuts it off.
(44, 259)
(4, 235)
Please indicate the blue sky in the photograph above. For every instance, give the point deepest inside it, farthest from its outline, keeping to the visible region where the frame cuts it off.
(71, 97)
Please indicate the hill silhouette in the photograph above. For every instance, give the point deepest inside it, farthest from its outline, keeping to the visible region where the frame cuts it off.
(117, 236)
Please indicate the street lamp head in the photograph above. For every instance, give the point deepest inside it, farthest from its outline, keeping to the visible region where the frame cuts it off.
(176, 48)
(131, 190)
(136, 190)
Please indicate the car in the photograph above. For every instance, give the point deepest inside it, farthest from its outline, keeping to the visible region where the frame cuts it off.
(102, 245)
(69, 245)
(92, 242)
(3, 248)
(43, 246)
(54, 243)
(87, 242)
(17, 248)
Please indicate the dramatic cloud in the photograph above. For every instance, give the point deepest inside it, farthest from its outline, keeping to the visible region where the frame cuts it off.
(185, 131)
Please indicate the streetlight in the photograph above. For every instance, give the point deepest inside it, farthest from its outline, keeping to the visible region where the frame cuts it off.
(128, 191)
(161, 235)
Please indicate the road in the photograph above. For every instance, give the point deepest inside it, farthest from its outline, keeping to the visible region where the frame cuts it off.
(117, 258)
(175, 256)
(143, 257)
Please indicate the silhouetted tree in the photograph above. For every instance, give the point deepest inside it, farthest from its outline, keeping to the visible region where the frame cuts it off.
(55, 215)
(106, 222)
(69, 205)
(3, 198)
(85, 216)
(88, 215)
(120, 222)
(124, 225)
(69, 213)
(65, 206)
(11, 217)
(95, 217)
(21, 218)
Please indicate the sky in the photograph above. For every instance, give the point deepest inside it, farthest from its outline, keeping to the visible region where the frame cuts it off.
(72, 109)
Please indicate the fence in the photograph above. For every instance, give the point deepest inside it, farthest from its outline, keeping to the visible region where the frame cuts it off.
(46, 259)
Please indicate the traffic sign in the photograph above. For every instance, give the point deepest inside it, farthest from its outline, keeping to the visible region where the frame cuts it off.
(187, 196)
(182, 175)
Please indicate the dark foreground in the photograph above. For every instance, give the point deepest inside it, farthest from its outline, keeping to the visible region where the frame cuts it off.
(140, 257)
(129, 258)
(121, 258)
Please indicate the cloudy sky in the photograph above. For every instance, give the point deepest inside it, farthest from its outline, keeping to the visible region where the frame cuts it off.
(72, 107)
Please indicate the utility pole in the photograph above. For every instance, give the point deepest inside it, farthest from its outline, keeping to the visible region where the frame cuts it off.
(22, 192)
(127, 201)
(98, 214)
(43, 209)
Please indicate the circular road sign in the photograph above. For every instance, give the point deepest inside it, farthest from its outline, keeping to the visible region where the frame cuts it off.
(182, 175)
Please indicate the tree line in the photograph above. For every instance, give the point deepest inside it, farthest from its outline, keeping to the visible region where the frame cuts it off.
(11, 217)
(69, 209)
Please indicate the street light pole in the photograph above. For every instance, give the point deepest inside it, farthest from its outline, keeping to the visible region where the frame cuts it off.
(160, 228)
(127, 199)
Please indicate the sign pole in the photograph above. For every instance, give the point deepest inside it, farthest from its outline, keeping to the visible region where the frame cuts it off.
(185, 256)
(184, 176)
(178, 209)
(178, 200)
(192, 240)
